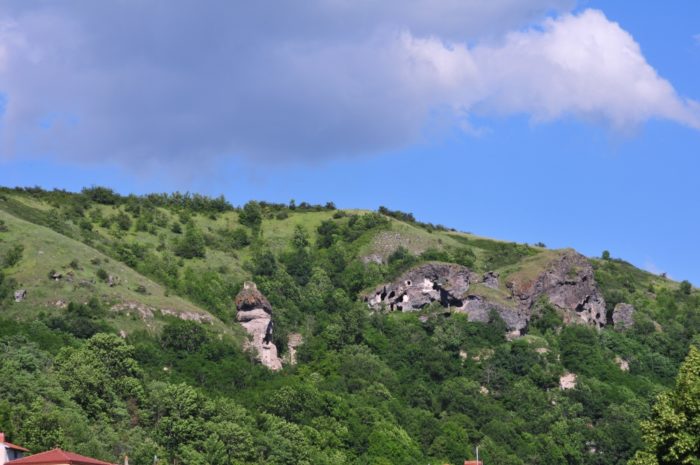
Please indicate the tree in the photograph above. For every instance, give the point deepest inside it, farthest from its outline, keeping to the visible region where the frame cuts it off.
(605, 255)
(672, 435)
(251, 216)
(192, 243)
(183, 335)
(686, 287)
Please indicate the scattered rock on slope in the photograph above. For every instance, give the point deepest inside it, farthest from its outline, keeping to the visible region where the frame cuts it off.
(255, 315)
(20, 295)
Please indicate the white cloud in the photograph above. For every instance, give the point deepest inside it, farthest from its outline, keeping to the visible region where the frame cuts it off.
(146, 83)
(581, 65)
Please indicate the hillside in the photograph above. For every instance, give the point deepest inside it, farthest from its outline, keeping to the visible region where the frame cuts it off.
(414, 342)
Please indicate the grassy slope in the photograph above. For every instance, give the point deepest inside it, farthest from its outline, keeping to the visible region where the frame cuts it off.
(59, 250)
(46, 250)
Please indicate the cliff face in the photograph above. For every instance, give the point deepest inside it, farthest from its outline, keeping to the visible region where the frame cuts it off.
(255, 315)
(565, 280)
(568, 283)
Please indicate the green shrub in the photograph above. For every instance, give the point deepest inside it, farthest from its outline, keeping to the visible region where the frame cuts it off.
(102, 275)
(13, 255)
(181, 335)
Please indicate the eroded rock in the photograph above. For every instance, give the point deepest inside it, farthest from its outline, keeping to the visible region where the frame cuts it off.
(569, 284)
(566, 281)
(417, 288)
(623, 316)
(255, 315)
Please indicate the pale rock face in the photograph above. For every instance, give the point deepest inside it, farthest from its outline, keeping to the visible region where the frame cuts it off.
(567, 381)
(622, 363)
(255, 315)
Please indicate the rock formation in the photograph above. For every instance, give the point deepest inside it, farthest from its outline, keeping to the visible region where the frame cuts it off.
(420, 286)
(255, 315)
(569, 284)
(623, 316)
(566, 282)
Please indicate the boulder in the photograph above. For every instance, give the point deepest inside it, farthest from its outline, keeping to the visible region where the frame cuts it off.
(20, 295)
(112, 280)
(255, 316)
(623, 316)
(490, 279)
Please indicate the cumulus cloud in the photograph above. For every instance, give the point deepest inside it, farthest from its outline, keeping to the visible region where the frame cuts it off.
(149, 83)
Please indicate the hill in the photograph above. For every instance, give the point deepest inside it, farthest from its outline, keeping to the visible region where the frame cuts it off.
(419, 342)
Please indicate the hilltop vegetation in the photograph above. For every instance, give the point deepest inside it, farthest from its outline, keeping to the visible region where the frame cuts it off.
(126, 340)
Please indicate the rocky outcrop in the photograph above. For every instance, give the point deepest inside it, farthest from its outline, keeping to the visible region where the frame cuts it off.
(568, 283)
(146, 312)
(255, 315)
(447, 284)
(479, 309)
(417, 288)
(623, 316)
(20, 295)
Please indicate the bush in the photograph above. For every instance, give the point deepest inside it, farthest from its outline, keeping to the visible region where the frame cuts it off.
(123, 220)
(13, 256)
(3, 226)
(192, 245)
(183, 335)
(102, 275)
(685, 287)
(251, 215)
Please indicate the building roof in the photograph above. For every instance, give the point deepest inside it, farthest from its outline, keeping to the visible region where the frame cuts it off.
(9, 445)
(57, 456)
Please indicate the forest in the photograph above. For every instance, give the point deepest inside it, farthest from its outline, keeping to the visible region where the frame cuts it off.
(369, 387)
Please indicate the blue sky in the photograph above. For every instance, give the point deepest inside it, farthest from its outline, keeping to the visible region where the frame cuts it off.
(482, 131)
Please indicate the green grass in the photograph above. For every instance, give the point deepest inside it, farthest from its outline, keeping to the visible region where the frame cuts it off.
(46, 250)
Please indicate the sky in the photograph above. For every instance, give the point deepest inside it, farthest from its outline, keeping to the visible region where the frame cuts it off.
(573, 123)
